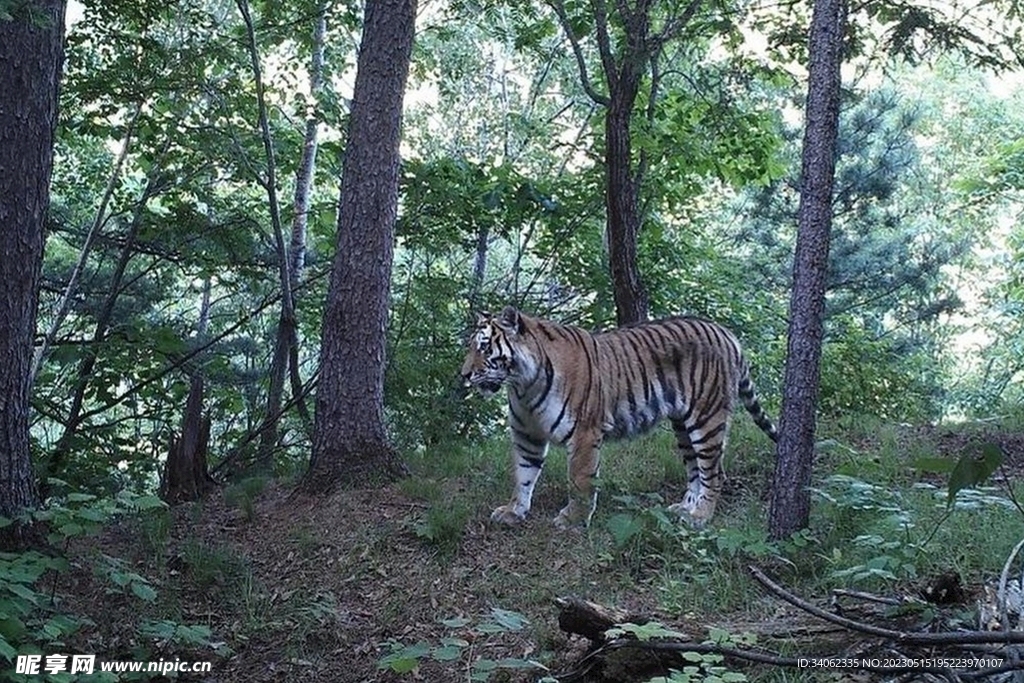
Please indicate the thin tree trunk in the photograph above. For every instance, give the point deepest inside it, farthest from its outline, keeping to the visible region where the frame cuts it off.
(623, 178)
(305, 175)
(103, 323)
(286, 324)
(94, 230)
(476, 285)
(622, 202)
(790, 500)
(31, 57)
(286, 343)
(350, 445)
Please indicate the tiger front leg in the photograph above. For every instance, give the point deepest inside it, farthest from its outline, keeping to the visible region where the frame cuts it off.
(528, 455)
(584, 468)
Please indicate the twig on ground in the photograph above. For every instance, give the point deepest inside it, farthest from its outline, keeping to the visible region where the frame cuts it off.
(941, 638)
(869, 597)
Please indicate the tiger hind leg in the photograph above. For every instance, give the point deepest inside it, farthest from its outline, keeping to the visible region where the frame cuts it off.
(584, 468)
(701, 449)
(688, 456)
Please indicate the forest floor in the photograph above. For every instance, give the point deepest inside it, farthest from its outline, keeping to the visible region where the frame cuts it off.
(300, 589)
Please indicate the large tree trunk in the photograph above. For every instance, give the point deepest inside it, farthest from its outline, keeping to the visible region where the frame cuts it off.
(790, 500)
(186, 475)
(622, 201)
(350, 444)
(31, 56)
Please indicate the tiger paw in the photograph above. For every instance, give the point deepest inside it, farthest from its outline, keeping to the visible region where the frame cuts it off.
(689, 516)
(569, 519)
(506, 514)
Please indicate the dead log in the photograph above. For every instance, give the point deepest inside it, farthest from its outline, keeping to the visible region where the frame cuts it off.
(631, 655)
(588, 619)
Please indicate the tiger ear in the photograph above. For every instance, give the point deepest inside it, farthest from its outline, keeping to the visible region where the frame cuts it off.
(511, 320)
(482, 318)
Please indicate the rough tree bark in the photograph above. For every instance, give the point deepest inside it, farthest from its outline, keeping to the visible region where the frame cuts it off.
(622, 199)
(624, 72)
(31, 57)
(186, 474)
(791, 498)
(350, 444)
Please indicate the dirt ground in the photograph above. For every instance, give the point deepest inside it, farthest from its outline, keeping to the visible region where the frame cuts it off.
(313, 590)
(305, 589)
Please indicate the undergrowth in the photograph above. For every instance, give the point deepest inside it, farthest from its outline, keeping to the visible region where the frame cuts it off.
(34, 620)
(473, 601)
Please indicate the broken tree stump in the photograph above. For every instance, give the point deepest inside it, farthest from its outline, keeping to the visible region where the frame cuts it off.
(589, 619)
(606, 659)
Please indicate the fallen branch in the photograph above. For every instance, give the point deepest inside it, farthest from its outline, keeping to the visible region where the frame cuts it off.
(867, 597)
(678, 650)
(904, 637)
(635, 655)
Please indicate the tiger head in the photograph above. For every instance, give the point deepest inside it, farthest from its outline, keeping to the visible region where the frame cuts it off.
(493, 357)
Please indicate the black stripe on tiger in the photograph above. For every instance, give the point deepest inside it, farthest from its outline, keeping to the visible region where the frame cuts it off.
(577, 388)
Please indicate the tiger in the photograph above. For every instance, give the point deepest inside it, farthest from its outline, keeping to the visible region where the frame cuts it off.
(575, 388)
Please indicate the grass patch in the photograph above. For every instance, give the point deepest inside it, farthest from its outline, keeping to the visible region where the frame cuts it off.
(443, 525)
(214, 568)
(372, 574)
(243, 494)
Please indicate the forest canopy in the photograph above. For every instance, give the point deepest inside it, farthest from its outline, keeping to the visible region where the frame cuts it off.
(160, 193)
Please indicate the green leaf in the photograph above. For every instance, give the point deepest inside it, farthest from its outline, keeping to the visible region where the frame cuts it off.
(934, 465)
(644, 632)
(11, 628)
(148, 503)
(503, 621)
(7, 651)
(446, 654)
(972, 470)
(404, 658)
(143, 591)
(120, 578)
(719, 636)
(487, 665)
(400, 665)
(624, 527)
(513, 621)
(71, 529)
(52, 631)
(23, 592)
(80, 497)
(454, 642)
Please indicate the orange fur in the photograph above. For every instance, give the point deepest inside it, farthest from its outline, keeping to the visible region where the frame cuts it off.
(568, 386)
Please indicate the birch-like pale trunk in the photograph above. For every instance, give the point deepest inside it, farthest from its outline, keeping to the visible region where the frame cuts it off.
(94, 230)
(286, 343)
